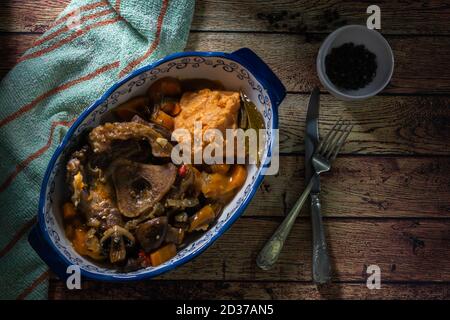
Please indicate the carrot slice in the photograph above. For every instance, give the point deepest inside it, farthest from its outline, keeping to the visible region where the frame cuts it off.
(214, 185)
(164, 119)
(69, 210)
(170, 106)
(202, 218)
(220, 168)
(237, 178)
(164, 87)
(163, 254)
(79, 241)
(198, 179)
(221, 186)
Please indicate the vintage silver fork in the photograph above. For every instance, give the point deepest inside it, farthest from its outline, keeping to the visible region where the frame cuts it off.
(326, 152)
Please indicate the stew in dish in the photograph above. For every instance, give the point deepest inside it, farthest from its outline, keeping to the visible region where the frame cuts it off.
(129, 206)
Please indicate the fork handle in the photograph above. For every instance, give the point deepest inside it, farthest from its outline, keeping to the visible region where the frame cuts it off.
(321, 267)
(269, 254)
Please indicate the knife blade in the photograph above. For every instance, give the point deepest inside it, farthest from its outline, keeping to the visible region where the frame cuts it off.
(321, 268)
(312, 138)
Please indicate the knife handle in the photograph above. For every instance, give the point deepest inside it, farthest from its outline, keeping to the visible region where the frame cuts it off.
(321, 267)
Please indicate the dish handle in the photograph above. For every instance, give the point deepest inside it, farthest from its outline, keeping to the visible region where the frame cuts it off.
(47, 253)
(276, 89)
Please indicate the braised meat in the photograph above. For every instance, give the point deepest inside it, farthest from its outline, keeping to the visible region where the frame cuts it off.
(102, 137)
(140, 186)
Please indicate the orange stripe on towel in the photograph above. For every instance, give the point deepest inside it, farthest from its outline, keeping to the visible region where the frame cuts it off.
(73, 36)
(68, 28)
(33, 286)
(154, 44)
(72, 13)
(22, 165)
(60, 88)
(22, 231)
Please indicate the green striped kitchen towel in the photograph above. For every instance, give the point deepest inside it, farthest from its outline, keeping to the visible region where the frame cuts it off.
(89, 47)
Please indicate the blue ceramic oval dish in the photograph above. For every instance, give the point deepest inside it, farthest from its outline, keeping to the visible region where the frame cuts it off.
(240, 70)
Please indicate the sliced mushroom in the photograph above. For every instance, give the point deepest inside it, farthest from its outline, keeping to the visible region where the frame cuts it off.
(157, 210)
(140, 186)
(174, 235)
(186, 186)
(166, 134)
(132, 107)
(182, 204)
(102, 137)
(152, 233)
(118, 239)
(167, 86)
(181, 221)
(187, 181)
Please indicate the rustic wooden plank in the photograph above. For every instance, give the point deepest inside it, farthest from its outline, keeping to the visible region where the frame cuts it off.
(409, 17)
(382, 125)
(405, 250)
(412, 17)
(292, 57)
(394, 186)
(362, 187)
(224, 290)
(29, 16)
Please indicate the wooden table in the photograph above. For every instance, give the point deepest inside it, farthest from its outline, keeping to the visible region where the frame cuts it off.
(387, 199)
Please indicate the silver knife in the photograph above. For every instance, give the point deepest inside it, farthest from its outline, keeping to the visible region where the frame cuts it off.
(321, 268)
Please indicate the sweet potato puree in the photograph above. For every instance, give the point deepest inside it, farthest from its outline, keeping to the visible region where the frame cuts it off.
(215, 109)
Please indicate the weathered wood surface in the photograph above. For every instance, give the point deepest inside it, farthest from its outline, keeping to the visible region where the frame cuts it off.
(405, 250)
(292, 58)
(382, 125)
(362, 187)
(226, 290)
(29, 16)
(386, 200)
(413, 17)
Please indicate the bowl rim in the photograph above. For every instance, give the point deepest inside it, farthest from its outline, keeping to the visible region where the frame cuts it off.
(320, 62)
(68, 136)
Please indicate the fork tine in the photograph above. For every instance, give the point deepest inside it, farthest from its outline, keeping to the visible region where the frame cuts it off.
(333, 143)
(344, 137)
(328, 149)
(327, 136)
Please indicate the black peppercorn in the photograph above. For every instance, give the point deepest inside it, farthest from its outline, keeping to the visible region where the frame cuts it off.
(350, 66)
